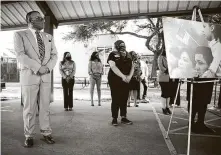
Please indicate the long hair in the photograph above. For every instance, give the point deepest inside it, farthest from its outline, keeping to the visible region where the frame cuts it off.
(94, 57)
(133, 55)
(65, 53)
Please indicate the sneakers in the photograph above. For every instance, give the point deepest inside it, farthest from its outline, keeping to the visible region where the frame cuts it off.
(114, 122)
(123, 121)
(126, 121)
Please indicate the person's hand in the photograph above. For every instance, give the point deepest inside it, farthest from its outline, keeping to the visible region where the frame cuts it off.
(128, 78)
(43, 70)
(124, 78)
(68, 78)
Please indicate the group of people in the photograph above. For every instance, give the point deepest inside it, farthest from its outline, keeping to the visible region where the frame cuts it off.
(37, 54)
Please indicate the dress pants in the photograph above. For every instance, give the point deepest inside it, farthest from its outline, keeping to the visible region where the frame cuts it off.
(119, 95)
(144, 83)
(202, 94)
(30, 97)
(68, 92)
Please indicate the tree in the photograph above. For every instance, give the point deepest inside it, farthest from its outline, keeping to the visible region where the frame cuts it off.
(151, 26)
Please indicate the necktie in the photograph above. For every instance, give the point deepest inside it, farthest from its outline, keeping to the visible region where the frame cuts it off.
(41, 45)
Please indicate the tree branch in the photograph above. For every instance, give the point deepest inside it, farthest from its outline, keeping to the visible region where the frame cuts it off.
(151, 21)
(130, 33)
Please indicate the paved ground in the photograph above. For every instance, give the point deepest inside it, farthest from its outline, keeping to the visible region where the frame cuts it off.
(87, 130)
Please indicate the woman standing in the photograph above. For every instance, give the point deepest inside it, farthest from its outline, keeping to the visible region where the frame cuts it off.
(120, 73)
(95, 70)
(134, 84)
(67, 69)
(165, 82)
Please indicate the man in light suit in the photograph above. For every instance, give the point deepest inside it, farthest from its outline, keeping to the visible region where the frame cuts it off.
(37, 54)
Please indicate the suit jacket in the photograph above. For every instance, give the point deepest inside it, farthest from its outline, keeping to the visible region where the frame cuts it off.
(27, 53)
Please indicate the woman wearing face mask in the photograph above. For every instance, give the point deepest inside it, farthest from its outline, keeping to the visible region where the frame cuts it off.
(95, 70)
(120, 73)
(67, 70)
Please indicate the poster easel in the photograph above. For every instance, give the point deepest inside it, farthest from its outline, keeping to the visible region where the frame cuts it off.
(192, 81)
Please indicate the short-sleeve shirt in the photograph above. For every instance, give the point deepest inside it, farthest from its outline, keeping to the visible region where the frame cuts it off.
(124, 64)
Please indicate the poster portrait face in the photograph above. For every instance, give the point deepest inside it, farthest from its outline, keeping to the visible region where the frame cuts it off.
(192, 48)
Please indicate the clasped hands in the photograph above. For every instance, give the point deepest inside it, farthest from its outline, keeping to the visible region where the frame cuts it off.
(126, 78)
(43, 70)
(68, 78)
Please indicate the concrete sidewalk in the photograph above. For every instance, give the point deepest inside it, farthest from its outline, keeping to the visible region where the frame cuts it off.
(85, 131)
(88, 131)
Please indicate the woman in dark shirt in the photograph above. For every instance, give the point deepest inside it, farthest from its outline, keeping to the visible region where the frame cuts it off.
(120, 74)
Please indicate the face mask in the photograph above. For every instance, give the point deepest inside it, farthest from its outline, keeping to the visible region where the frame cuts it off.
(68, 58)
(122, 48)
(39, 25)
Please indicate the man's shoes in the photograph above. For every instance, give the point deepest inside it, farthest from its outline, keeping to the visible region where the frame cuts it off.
(126, 121)
(65, 109)
(136, 105)
(29, 142)
(114, 122)
(48, 139)
(168, 111)
(70, 109)
(99, 104)
(92, 105)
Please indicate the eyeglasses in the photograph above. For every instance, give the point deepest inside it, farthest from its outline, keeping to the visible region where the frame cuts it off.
(38, 19)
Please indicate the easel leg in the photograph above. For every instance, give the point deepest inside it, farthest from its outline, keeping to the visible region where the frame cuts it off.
(190, 117)
(173, 108)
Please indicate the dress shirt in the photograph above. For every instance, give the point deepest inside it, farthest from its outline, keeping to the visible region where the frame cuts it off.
(144, 70)
(34, 34)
